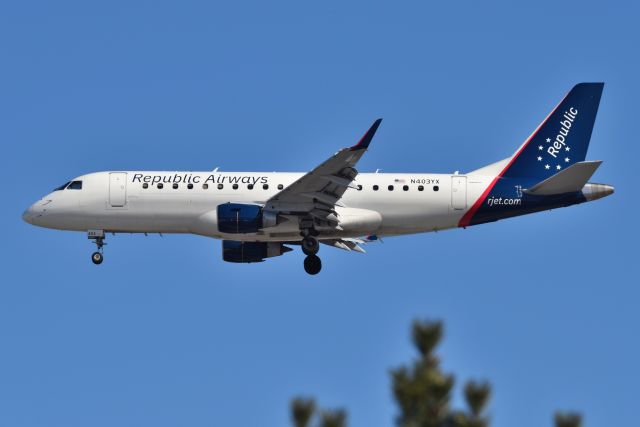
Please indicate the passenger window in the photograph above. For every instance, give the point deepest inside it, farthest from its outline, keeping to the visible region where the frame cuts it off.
(220, 186)
(420, 187)
(75, 185)
(436, 188)
(205, 186)
(160, 186)
(145, 185)
(280, 186)
(175, 186)
(250, 187)
(235, 186)
(390, 188)
(265, 187)
(375, 188)
(190, 186)
(405, 187)
(359, 187)
(63, 186)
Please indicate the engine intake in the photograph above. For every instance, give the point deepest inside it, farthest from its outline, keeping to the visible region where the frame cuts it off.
(235, 251)
(236, 218)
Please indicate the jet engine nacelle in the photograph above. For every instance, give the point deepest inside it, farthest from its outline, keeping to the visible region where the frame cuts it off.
(234, 251)
(238, 218)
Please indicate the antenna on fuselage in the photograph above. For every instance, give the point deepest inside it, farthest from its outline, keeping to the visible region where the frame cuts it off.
(216, 169)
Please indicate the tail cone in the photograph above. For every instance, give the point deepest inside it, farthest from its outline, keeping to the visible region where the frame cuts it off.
(596, 191)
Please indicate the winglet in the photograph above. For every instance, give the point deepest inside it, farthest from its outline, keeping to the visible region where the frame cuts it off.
(364, 142)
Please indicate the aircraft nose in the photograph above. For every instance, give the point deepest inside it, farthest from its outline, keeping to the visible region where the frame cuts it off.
(27, 215)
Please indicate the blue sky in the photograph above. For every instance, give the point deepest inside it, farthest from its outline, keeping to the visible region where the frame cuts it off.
(164, 333)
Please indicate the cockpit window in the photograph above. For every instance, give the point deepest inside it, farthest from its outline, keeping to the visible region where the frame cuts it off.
(75, 185)
(63, 186)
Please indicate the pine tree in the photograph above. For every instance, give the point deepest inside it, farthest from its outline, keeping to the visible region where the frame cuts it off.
(423, 393)
(422, 390)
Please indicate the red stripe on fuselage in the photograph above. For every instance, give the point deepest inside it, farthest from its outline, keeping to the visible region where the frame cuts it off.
(466, 218)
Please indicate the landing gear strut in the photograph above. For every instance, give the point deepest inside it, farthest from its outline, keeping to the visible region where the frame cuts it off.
(98, 238)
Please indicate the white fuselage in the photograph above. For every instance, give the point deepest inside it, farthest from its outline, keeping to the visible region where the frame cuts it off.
(119, 202)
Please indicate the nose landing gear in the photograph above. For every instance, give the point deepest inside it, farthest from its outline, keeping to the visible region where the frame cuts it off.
(98, 238)
(97, 258)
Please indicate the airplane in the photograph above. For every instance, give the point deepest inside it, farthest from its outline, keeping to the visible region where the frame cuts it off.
(260, 215)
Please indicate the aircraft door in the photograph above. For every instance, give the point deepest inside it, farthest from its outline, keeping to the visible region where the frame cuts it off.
(117, 189)
(459, 192)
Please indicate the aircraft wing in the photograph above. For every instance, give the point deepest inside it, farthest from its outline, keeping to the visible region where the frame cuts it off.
(318, 192)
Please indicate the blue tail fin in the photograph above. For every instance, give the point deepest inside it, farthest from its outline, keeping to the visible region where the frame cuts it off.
(561, 139)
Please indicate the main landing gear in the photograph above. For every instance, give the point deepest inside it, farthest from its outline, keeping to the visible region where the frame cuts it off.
(312, 264)
(98, 238)
(310, 247)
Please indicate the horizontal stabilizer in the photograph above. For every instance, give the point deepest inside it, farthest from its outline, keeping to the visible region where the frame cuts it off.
(569, 180)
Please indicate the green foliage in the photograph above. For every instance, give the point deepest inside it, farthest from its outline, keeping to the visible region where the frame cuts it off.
(301, 411)
(337, 418)
(304, 410)
(426, 336)
(423, 393)
(477, 396)
(568, 420)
